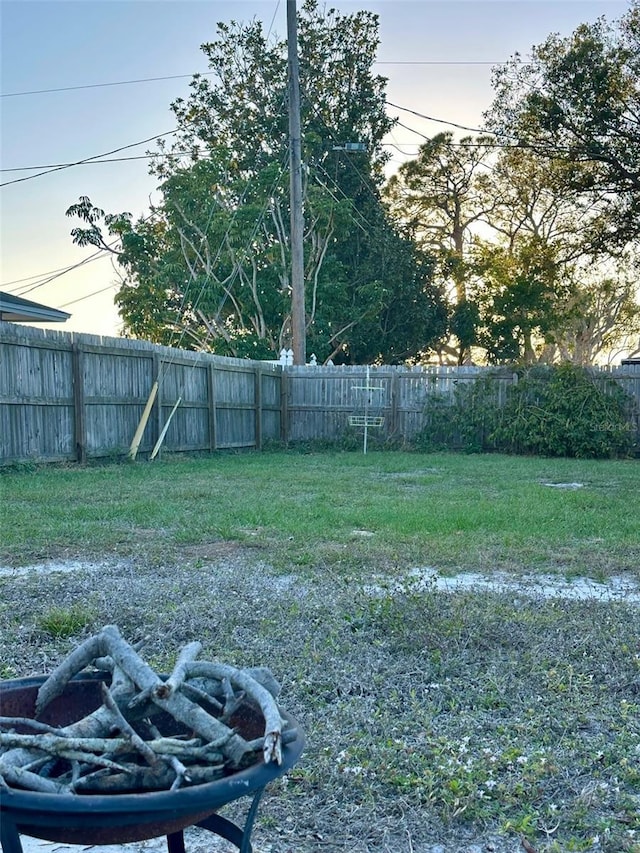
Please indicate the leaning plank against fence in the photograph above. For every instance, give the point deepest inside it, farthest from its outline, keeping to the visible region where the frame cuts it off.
(68, 396)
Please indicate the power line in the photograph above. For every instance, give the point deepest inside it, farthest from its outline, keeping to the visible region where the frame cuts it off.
(53, 166)
(435, 62)
(101, 253)
(124, 82)
(443, 62)
(88, 159)
(31, 277)
(88, 296)
(451, 144)
(105, 85)
(369, 228)
(444, 121)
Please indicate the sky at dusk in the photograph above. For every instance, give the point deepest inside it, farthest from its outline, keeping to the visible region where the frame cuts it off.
(47, 44)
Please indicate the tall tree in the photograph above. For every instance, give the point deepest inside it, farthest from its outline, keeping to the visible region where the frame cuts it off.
(440, 196)
(524, 294)
(578, 99)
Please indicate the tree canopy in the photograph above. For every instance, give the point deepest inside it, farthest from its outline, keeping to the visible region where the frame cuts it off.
(513, 241)
(518, 244)
(211, 262)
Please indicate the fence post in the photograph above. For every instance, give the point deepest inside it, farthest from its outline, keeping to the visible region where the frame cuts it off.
(211, 377)
(257, 399)
(393, 426)
(80, 431)
(157, 370)
(284, 406)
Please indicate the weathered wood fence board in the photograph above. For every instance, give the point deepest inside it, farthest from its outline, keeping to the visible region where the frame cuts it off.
(65, 396)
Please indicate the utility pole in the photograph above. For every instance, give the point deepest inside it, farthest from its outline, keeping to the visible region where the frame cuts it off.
(298, 315)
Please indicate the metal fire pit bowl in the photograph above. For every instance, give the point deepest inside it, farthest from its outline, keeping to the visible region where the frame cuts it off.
(121, 818)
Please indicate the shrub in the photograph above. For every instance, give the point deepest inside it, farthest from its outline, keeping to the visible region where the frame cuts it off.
(551, 411)
(465, 423)
(566, 411)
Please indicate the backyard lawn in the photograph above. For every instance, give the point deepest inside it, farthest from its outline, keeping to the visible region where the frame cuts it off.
(455, 512)
(473, 715)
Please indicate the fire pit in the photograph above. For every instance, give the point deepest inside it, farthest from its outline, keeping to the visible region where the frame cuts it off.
(117, 818)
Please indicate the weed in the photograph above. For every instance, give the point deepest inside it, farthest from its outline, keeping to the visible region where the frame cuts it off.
(62, 622)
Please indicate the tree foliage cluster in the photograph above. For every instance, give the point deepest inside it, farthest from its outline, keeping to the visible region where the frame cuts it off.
(210, 266)
(520, 244)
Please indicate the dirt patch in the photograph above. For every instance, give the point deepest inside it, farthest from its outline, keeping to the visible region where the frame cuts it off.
(220, 550)
(616, 588)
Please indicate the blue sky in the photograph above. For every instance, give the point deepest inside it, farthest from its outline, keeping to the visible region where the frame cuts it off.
(47, 44)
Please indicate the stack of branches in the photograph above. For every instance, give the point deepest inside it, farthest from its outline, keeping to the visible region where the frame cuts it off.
(119, 747)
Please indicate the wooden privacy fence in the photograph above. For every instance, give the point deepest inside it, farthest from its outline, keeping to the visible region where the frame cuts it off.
(66, 396)
(324, 401)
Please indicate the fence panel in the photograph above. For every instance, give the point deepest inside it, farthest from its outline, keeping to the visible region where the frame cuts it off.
(235, 402)
(186, 381)
(70, 396)
(65, 396)
(114, 384)
(37, 414)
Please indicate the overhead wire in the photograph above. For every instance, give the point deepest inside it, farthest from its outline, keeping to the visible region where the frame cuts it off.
(88, 159)
(111, 83)
(101, 253)
(346, 197)
(445, 121)
(53, 166)
(88, 296)
(337, 142)
(104, 85)
(452, 143)
(97, 158)
(106, 252)
(6, 284)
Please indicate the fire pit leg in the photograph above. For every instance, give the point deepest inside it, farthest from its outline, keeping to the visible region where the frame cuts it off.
(175, 842)
(228, 830)
(9, 836)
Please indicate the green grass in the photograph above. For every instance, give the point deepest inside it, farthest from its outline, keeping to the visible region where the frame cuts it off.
(450, 511)
(63, 622)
